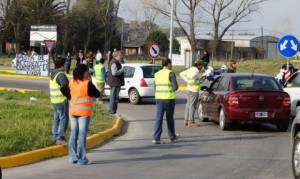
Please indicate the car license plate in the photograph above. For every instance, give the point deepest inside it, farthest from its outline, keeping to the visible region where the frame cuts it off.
(261, 114)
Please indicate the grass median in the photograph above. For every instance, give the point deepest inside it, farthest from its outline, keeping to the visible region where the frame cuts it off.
(26, 125)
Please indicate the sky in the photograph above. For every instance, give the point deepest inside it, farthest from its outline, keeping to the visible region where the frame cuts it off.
(277, 17)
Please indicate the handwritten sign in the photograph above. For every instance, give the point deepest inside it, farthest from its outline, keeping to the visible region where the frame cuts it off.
(32, 65)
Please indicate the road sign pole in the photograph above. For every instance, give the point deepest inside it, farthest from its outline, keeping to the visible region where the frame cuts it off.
(287, 63)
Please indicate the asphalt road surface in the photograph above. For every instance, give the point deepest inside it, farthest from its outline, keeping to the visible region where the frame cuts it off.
(248, 151)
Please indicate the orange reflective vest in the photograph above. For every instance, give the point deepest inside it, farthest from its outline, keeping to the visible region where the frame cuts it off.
(81, 103)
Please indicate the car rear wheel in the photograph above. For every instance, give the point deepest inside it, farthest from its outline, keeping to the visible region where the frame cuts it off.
(296, 157)
(224, 125)
(200, 112)
(134, 96)
(283, 126)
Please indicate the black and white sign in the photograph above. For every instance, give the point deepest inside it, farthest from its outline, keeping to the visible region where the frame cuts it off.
(32, 65)
(153, 50)
(39, 33)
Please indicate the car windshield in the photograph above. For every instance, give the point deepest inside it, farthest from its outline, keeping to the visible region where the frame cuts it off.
(255, 83)
(149, 71)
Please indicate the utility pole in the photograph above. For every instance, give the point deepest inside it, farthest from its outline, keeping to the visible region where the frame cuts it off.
(171, 30)
(122, 36)
(232, 44)
(262, 42)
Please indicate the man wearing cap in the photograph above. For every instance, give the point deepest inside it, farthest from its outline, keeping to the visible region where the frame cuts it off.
(192, 78)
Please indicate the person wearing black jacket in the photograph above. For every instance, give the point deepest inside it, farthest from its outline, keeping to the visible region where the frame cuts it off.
(92, 89)
(115, 81)
(81, 92)
(80, 58)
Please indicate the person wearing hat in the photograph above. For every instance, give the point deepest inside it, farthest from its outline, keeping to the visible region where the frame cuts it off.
(192, 78)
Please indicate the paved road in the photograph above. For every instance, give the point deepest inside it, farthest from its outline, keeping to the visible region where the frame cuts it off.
(250, 151)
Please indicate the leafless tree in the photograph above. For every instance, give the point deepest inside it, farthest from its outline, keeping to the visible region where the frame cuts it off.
(109, 19)
(187, 15)
(223, 14)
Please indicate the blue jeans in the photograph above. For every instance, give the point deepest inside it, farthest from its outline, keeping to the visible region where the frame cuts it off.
(77, 142)
(114, 99)
(60, 120)
(163, 106)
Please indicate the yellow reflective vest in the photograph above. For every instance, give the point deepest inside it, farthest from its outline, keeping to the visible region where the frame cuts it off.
(193, 83)
(55, 94)
(163, 86)
(98, 73)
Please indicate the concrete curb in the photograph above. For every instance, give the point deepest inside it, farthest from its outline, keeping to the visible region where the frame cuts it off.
(14, 75)
(24, 76)
(16, 89)
(58, 150)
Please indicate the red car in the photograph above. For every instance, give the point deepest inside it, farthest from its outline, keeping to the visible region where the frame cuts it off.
(245, 97)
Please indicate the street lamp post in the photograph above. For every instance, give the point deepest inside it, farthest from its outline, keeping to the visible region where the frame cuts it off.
(171, 30)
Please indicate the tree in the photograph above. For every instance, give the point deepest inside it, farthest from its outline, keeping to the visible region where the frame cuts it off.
(186, 15)
(175, 45)
(109, 19)
(225, 14)
(160, 38)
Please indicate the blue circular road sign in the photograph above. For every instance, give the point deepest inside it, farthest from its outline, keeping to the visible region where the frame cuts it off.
(288, 46)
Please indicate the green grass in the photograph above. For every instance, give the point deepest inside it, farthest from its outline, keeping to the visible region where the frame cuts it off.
(26, 125)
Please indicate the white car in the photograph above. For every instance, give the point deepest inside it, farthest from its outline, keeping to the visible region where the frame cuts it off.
(139, 82)
(292, 87)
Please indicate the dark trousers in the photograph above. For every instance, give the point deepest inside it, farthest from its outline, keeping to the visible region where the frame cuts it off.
(68, 66)
(114, 99)
(162, 107)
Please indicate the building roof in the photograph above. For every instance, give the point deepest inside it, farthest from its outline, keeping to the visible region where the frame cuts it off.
(135, 43)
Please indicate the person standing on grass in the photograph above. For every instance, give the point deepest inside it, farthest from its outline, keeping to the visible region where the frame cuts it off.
(165, 87)
(191, 77)
(68, 62)
(101, 77)
(115, 81)
(59, 102)
(81, 92)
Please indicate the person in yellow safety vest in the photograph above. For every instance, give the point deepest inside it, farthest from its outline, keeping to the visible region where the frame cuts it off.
(101, 77)
(192, 78)
(165, 87)
(59, 102)
(81, 92)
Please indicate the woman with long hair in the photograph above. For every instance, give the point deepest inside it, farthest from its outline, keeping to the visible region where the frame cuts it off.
(81, 93)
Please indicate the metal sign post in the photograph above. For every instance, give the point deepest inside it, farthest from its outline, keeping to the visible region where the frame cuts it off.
(49, 46)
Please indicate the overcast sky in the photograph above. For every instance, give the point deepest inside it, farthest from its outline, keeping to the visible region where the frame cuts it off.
(278, 17)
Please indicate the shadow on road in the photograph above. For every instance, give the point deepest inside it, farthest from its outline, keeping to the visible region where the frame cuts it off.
(163, 157)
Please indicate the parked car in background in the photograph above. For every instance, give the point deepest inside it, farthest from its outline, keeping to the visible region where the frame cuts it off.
(245, 97)
(292, 86)
(139, 82)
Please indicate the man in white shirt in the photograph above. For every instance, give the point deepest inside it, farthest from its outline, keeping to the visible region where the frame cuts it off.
(192, 77)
